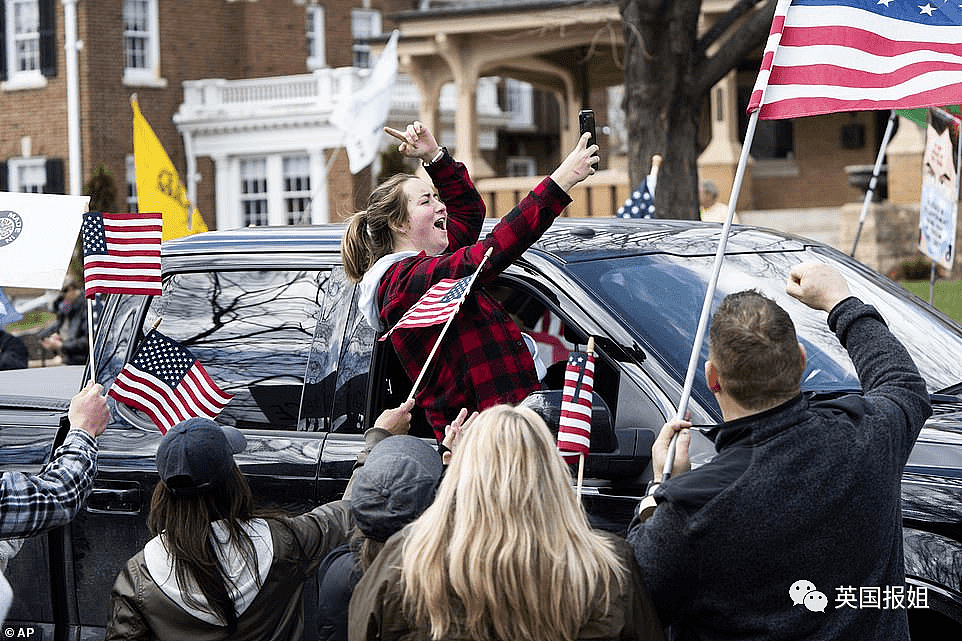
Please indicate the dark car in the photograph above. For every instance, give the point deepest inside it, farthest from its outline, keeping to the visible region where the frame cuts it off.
(273, 318)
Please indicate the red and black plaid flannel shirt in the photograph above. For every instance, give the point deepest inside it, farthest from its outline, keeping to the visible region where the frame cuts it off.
(483, 360)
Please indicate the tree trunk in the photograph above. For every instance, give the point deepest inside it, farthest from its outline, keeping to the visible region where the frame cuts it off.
(661, 109)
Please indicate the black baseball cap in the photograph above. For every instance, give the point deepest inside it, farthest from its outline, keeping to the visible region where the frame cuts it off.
(196, 455)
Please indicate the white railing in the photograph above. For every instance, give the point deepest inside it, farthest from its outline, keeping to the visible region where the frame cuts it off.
(219, 98)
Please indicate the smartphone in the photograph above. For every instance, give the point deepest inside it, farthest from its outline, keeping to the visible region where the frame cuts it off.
(586, 120)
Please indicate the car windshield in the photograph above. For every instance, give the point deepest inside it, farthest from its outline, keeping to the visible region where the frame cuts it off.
(660, 299)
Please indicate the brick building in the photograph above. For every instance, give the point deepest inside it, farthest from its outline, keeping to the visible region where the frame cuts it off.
(151, 48)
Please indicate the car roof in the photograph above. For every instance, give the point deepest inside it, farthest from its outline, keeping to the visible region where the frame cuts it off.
(567, 240)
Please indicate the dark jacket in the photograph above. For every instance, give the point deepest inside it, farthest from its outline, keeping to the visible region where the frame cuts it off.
(13, 351)
(377, 612)
(337, 575)
(484, 360)
(71, 325)
(806, 491)
(141, 605)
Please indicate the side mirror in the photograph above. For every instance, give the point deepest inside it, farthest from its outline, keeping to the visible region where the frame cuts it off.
(620, 455)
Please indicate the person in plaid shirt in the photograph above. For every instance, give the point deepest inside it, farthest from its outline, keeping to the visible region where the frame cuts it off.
(33, 503)
(413, 235)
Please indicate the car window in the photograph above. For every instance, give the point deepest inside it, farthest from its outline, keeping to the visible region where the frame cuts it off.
(660, 298)
(254, 332)
(354, 363)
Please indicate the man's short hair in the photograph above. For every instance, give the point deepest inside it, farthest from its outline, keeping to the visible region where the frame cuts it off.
(754, 348)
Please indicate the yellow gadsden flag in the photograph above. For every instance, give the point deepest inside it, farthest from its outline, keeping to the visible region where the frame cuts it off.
(158, 185)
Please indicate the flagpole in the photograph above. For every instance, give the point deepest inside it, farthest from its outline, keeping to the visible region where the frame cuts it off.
(581, 455)
(710, 294)
(90, 338)
(437, 343)
(875, 173)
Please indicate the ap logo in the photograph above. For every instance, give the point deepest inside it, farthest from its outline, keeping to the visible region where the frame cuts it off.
(803, 592)
(11, 224)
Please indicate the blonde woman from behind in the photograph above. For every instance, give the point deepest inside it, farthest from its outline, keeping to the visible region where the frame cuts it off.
(504, 552)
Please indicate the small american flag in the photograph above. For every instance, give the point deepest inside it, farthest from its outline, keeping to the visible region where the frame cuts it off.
(167, 383)
(640, 205)
(825, 56)
(574, 428)
(437, 305)
(121, 253)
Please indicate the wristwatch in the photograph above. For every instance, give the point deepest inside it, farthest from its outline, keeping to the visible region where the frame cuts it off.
(438, 156)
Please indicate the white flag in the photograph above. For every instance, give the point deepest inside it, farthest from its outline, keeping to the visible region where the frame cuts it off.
(361, 117)
(37, 236)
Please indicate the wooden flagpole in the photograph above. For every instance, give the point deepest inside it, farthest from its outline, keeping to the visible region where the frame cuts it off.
(447, 324)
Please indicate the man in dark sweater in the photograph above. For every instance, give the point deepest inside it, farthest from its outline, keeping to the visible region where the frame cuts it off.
(800, 506)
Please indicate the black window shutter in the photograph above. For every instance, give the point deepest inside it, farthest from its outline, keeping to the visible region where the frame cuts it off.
(3, 41)
(4, 186)
(48, 38)
(55, 177)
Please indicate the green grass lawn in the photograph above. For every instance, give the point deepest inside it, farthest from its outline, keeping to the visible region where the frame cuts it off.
(947, 298)
(31, 320)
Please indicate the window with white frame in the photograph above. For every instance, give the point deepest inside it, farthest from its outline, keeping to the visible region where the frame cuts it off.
(141, 42)
(316, 58)
(22, 41)
(365, 23)
(253, 188)
(131, 184)
(519, 166)
(27, 175)
(297, 189)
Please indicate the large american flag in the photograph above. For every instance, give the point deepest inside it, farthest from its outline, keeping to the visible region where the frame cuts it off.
(121, 253)
(167, 383)
(437, 305)
(574, 427)
(825, 56)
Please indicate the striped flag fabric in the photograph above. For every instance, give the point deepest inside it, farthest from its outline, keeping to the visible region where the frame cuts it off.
(167, 383)
(437, 305)
(574, 427)
(121, 253)
(825, 56)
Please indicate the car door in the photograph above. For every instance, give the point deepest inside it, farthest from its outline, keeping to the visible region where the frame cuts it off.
(253, 330)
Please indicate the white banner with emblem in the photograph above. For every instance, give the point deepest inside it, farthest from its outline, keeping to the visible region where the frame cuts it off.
(38, 233)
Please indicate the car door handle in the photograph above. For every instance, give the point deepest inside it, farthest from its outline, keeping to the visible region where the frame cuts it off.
(119, 498)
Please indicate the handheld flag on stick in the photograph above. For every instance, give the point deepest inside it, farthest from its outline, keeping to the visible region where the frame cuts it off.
(167, 383)
(574, 427)
(896, 60)
(121, 253)
(438, 305)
